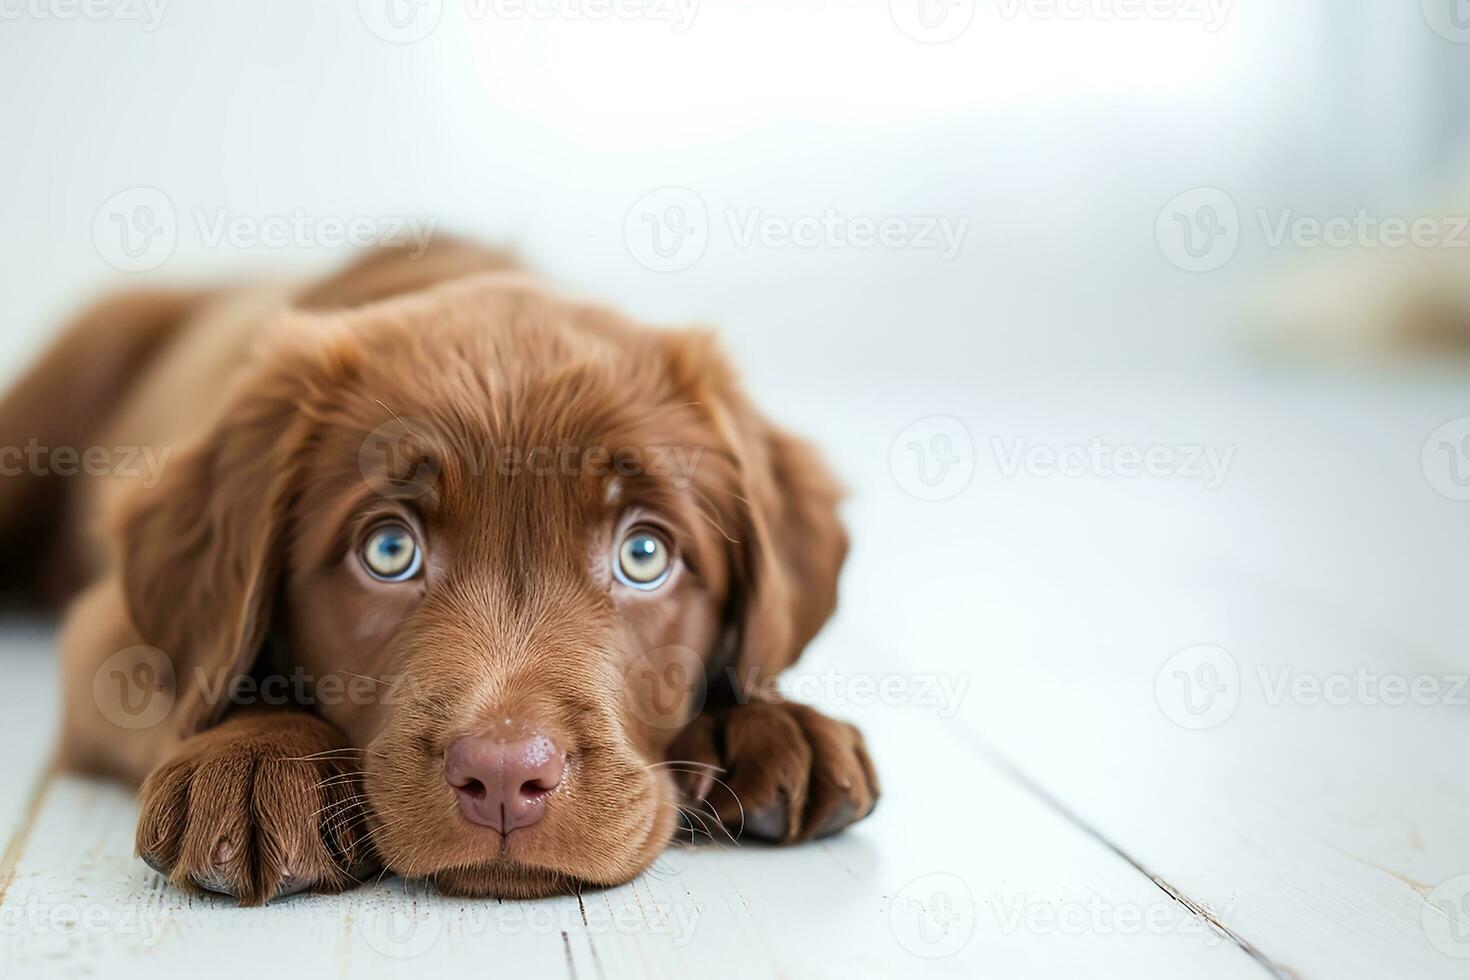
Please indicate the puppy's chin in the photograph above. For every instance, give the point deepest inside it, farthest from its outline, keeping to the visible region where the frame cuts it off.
(503, 879)
(506, 879)
(533, 862)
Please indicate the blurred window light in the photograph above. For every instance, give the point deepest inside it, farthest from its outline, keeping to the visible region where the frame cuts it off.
(624, 79)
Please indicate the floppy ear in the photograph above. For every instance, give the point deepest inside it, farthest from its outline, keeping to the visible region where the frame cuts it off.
(792, 548)
(787, 545)
(200, 551)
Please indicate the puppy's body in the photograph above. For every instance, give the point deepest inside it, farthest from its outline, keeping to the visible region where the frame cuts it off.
(520, 444)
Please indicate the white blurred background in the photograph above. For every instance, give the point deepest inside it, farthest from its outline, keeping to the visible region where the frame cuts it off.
(1058, 135)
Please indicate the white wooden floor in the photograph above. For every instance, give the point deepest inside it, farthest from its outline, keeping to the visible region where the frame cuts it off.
(1052, 805)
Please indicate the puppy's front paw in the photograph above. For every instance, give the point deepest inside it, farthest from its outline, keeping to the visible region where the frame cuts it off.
(776, 770)
(262, 806)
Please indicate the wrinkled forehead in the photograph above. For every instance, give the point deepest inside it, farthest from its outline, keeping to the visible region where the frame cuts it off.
(552, 471)
(537, 470)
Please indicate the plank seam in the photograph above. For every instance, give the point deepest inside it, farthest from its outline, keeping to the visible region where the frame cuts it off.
(1198, 909)
(15, 847)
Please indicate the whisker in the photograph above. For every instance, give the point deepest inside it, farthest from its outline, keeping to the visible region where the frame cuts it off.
(330, 754)
(346, 818)
(685, 762)
(395, 416)
(691, 816)
(712, 522)
(731, 493)
(735, 836)
(726, 785)
(366, 677)
(739, 831)
(339, 807)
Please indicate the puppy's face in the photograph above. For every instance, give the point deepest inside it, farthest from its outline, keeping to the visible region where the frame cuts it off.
(520, 535)
(524, 563)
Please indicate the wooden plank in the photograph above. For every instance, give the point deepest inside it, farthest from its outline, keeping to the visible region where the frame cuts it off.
(30, 707)
(30, 710)
(1317, 832)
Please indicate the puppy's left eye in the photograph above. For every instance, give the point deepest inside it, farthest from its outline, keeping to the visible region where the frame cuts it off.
(391, 554)
(644, 559)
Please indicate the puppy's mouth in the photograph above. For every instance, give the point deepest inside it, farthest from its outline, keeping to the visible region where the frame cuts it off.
(503, 878)
(595, 830)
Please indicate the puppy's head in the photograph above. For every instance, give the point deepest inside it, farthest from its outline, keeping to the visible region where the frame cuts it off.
(504, 542)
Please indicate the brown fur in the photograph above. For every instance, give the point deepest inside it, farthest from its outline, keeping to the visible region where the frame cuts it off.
(421, 391)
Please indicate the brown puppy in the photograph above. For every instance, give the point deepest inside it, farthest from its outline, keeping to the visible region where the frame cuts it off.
(439, 571)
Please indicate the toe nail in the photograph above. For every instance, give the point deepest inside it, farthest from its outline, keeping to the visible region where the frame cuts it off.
(290, 886)
(215, 882)
(769, 823)
(845, 815)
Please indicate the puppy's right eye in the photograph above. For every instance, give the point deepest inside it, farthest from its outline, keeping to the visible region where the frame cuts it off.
(643, 559)
(391, 554)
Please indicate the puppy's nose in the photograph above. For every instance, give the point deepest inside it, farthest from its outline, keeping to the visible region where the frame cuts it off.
(503, 782)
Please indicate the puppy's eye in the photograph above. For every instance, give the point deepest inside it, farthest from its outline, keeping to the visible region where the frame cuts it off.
(391, 554)
(644, 559)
